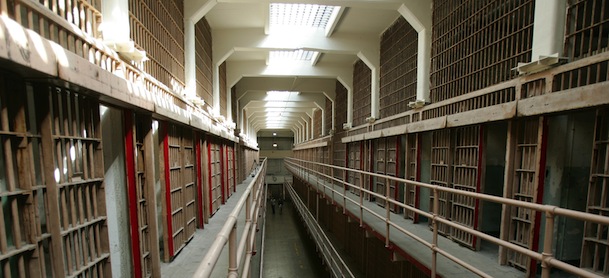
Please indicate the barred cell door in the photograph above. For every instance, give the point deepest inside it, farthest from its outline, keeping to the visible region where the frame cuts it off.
(179, 188)
(140, 183)
(527, 139)
(354, 161)
(230, 169)
(413, 172)
(223, 169)
(441, 174)
(392, 166)
(380, 160)
(386, 163)
(74, 172)
(53, 211)
(201, 174)
(214, 176)
(595, 246)
(467, 175)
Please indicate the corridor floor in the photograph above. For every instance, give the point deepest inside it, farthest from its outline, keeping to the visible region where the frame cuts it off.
(288, 251)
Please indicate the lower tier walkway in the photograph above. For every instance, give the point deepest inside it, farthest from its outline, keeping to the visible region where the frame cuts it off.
(187, 261)
(288, 251)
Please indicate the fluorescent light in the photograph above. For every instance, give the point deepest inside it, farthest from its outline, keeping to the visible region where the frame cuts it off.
(275, 145)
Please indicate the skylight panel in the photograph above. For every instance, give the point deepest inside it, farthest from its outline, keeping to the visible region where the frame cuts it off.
(300, 15)
(280, 56)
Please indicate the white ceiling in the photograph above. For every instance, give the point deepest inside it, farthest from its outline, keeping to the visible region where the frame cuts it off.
(361, 20)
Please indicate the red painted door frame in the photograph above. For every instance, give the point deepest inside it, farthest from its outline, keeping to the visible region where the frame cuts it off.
(209, 178)
(371, 164)
(345, 175)
(222, 176)
(540, 188)
(200, 198)
(234, 171)
(478, 183)
(132, 193)
(165, 135)
(417, 191)
(396, 193)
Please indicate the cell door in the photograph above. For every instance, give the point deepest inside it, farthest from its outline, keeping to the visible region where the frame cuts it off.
(140, 183)
(380, 164)
(441, 175)
(386, 163)
(230, 170)
(354, 162)
(215, 176)
(595, 246)
(527, 185)
(466, 175)
(179, 189)
(77, 206)
(392, 166)
(413, 172)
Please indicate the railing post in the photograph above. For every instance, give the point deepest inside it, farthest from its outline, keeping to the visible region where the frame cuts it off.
(344, 186)
(361, 200)
(547, 245)
(333, 183)
(317, 179)
(232, 252)
(387, 210)
(317, 205)
(434, 245)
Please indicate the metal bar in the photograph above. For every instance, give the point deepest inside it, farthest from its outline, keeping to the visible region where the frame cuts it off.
(207, 264)
(551, 211)
(434, 254)
(544, 208)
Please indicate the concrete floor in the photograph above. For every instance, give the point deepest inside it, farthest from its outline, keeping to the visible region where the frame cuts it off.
(288, 250)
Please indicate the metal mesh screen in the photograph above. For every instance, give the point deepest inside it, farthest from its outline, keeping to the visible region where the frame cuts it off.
(398, 78)
(476, 44)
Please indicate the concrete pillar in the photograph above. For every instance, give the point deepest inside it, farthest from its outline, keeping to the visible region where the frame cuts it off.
(418, 14)
(350, 106)
(323, 122)
(374, 92)
(333, 115)
(190, 66)
(116, 192)
(216, 89)
(308, 127)
(423, 64)
(229, 103)
(549, 28)
(313, 125)
(116, 21)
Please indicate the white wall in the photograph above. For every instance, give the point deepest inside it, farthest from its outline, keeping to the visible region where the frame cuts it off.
(117, 206)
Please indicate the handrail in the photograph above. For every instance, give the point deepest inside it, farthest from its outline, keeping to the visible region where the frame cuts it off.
(333, 259)
(305, 169)
(241, 251)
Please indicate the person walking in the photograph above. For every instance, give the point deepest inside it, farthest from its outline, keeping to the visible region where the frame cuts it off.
(280, 206)
(273, 205)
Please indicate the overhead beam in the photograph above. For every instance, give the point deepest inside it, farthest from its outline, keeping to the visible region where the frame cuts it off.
(239, 69)
(299, 84)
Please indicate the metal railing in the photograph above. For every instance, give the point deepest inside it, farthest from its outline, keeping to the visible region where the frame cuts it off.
(334, 262)
(309, 171)
(240, 250)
